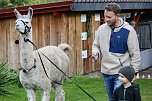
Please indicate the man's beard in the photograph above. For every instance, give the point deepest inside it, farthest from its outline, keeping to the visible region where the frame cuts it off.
(111, 24)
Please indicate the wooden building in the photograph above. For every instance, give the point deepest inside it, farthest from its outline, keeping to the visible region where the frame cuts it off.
(61, 22)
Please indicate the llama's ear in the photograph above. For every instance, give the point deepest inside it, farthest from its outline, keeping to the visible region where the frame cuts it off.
(30, 13)
(17, 13)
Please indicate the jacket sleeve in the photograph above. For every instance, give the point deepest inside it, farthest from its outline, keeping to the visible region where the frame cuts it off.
(137, 95)
(96, 45)
(115, 96)
(134, 51)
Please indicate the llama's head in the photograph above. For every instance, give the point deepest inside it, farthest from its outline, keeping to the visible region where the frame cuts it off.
(23, 22)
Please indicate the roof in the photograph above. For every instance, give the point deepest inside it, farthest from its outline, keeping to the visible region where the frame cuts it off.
(78, 5)
(92, 5)
(38, 9)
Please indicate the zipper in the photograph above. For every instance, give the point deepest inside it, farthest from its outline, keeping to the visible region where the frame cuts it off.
(124, 93)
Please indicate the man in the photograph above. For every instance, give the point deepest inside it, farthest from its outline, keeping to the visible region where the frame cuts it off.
(117, 43)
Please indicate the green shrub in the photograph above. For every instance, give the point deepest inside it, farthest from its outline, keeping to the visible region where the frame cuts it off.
(7, 77)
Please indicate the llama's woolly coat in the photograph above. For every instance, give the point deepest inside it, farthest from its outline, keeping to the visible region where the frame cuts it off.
(36, 78)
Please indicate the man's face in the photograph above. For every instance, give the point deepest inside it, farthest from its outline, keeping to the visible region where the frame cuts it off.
(110, 18)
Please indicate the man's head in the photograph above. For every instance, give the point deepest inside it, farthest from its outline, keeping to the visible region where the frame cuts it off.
(113, 7)
(111, 13)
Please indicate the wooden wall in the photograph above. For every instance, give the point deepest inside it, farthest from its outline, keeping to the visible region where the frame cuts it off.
(52, 30)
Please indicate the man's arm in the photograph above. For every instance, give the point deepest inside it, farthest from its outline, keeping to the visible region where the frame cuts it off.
(96, 46)
(134, 51)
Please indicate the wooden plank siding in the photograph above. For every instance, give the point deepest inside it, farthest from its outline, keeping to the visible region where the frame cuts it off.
(3, 39)
(94, 26)
(144, 30)
(51, 30)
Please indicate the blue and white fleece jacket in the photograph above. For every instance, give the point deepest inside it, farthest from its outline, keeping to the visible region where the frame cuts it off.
(117, 46)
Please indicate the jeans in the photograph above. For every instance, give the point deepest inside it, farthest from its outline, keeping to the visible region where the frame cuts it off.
(111, 83)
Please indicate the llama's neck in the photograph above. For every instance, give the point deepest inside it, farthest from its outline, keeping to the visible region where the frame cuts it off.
(26, 52)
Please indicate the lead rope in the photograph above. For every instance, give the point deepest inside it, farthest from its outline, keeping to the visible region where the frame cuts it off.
(27, 40)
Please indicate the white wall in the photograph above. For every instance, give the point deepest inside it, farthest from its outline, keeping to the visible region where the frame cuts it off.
(146, 58)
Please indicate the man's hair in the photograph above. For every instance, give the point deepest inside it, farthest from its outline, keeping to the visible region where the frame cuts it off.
(113, 7)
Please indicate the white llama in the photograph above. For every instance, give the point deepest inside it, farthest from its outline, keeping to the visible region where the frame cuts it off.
(32, 75)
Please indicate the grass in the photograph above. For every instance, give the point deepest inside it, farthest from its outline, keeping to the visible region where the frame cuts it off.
(94, 86)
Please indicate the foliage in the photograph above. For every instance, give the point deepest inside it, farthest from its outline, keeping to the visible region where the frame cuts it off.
(6, 77)
(94, 86)
(18, 3)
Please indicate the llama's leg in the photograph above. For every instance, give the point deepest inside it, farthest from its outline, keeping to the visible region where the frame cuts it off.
(46, 95)
(31, 94)
(59, 93)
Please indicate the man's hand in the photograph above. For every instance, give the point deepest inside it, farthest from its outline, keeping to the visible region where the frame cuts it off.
(95, 55)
